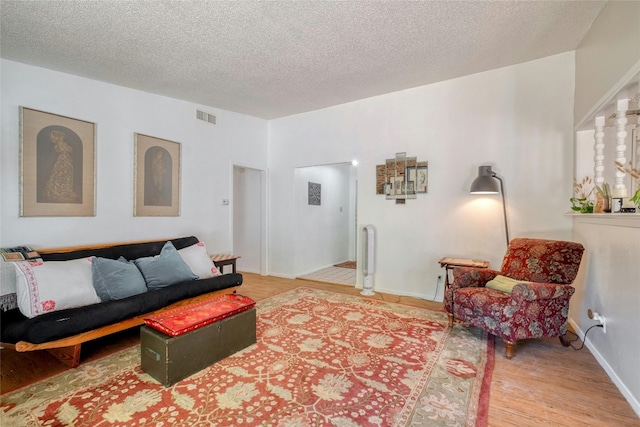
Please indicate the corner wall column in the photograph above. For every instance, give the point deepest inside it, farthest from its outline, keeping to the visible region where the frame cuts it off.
(598, 148)
(619, 189)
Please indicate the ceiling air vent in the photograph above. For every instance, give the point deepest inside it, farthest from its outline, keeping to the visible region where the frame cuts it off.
(210, 118)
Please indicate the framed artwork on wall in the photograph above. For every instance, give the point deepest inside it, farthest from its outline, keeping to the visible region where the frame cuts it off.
(156, 177)
(398, 185)
(57, 165)
(422, 178)
(315, 193)
(411, 179)
(401, 178)
(410, 187)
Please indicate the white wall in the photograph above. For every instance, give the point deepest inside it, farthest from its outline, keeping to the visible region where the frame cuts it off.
(606, 60)
(322, 232)
(608, 284)
(207, 155)
(607, 52)
(517, 119)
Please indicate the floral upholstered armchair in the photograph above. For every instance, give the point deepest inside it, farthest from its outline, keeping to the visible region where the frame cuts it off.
(535, 302)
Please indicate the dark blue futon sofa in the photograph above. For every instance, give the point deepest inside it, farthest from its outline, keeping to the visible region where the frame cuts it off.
(65, 330)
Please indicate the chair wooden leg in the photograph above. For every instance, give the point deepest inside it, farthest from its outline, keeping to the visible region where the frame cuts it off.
(564, 340)
(509, 346)
(450, 319)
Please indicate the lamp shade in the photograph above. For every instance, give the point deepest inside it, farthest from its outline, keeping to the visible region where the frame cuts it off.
(485, 182)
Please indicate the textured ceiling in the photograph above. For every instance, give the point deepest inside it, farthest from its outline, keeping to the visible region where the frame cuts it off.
(272, 59)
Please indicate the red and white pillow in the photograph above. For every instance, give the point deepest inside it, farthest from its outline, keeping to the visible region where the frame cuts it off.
(42, 287)
(199, 261)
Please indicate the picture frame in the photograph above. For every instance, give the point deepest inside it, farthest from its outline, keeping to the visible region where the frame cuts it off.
(411, 180)
(411, 187)
(387, 188)
(315, 193)
(156, 176)
(398, 185)
(397, 178)
(422, 179)
(57, 165)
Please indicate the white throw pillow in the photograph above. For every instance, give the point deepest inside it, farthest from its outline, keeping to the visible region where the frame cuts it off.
(199, 261)
(48, 286)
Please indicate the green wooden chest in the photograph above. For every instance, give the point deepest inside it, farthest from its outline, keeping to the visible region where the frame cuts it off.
(170, 359)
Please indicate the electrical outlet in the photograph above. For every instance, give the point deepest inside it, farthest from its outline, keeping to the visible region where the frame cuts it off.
(594, 315)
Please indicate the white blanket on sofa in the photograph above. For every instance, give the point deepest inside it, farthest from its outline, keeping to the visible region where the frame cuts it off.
(7, 286)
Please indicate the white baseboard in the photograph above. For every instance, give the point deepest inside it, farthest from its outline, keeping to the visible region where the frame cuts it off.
(404, 294)
(284, 276)
(306, 273)
(635, 405)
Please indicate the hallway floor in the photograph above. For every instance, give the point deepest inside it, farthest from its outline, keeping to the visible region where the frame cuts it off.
(342, 276)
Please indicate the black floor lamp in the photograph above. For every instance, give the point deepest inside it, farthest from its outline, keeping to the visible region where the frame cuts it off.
(486, 184)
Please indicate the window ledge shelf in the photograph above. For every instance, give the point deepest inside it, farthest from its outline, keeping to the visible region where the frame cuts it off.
(617, 219)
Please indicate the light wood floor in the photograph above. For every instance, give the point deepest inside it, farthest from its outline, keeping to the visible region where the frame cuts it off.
(544, 384)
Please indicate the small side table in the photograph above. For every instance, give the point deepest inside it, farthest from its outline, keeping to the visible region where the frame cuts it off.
(220, 260)
(449, 263)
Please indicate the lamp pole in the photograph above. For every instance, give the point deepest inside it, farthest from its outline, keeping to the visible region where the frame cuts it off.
(504, 205)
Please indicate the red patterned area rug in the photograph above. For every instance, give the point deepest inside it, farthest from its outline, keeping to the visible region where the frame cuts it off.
(322, 359)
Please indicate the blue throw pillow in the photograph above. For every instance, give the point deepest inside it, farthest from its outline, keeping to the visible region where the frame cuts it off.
(116, 279)
(164, 270)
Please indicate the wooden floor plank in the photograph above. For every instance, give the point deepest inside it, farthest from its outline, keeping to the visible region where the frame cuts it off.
(544, 384)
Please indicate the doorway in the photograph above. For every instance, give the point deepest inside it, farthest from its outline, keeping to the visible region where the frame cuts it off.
(249, 219)
(325, 228)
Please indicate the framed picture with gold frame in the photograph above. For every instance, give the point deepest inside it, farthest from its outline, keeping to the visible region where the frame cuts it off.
(156, 176)
(57, 165)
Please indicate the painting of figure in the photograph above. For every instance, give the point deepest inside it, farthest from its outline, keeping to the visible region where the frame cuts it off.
(57, 165)
(157, 180)
(157, 176)
(59, 171)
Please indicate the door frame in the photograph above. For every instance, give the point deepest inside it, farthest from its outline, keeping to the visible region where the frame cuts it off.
(264, 209)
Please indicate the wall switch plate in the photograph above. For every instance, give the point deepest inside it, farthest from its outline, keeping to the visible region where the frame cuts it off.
(225, 202)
